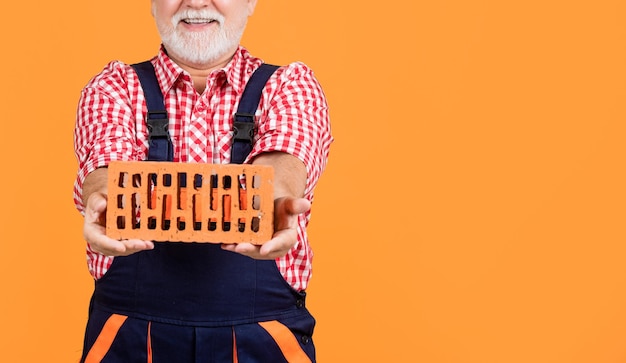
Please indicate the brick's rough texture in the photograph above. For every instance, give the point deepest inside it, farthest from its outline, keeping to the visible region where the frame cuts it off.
(187, 202)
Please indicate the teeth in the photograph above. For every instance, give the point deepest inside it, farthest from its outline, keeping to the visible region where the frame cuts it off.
(197, 21)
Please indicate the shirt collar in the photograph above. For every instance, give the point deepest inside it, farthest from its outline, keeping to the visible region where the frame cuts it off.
(240, 68)
(237, 71)
(166, 70)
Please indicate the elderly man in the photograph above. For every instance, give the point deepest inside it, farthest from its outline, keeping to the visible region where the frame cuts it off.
(191, 302)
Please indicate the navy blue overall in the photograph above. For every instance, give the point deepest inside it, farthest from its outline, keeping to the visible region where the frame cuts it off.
(194, 302)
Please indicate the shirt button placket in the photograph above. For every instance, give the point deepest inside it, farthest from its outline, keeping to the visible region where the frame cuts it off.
(198, 131)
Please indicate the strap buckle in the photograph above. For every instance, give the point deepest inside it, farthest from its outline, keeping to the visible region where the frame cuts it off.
(158, 126)
(243, 127)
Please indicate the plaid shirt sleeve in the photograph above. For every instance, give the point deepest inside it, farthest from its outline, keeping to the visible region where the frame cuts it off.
(105, 124)
(295, 120)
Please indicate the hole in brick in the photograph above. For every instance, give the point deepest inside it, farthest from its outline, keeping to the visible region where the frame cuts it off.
(196, 200)
(242, 181)
(136, 180)
(197, 181)
(243, 201)
(256, 181)
(214, 195)
(256, 224)
(166, 212)
(152, 191)
(181, 223)
(135, 203)
(123, 179)
(182, 191)
(121, 201)
(227, 181)
(121, 222)
(167, 180)
(212, 224)
(182, 179)
(152, 223)
(256, 202)
(243, 193)
(226, 200)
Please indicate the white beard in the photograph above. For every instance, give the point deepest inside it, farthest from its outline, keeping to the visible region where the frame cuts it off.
(204, 47)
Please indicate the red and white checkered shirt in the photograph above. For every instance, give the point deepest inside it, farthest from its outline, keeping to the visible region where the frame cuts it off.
(292, 117)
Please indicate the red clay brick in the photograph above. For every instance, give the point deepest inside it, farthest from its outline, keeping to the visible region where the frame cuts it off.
(212, 207)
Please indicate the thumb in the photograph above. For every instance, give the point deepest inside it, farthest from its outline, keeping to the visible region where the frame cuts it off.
(298, 205)
(97, 204)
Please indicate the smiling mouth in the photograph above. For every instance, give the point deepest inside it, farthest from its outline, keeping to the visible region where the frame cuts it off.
(198, 21)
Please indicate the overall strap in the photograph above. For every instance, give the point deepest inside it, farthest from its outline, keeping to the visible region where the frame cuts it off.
(243, 125)
(160, 146)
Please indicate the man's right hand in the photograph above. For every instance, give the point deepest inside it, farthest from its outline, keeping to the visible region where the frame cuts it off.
(94, 231)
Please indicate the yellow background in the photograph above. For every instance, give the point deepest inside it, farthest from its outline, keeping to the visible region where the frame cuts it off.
(473, 209)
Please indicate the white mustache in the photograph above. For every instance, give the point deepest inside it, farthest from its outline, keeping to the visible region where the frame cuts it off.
(206, 14)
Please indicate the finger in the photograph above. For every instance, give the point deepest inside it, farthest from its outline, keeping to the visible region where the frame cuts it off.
(97, 203)
(107, 246)
(246, 249)
(280, 244)
(298, 206)
(136, 245)
(110, 247)
(95, 213)
(250, 250)
(287, 212)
